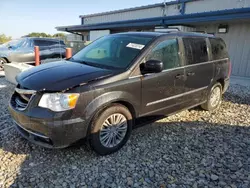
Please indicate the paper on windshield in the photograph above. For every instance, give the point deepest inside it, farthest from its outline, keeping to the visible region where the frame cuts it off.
(135, 46)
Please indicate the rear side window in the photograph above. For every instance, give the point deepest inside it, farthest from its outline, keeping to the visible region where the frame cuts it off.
(219, 49)
(47, 42)
(195, 50)
(41, 43)
(56, 42)
(167, 52)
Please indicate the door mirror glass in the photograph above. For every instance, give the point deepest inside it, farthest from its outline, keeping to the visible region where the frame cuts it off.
(153, 66)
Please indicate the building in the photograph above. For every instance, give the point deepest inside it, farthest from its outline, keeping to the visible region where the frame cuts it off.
(228, 19)
(73, 37)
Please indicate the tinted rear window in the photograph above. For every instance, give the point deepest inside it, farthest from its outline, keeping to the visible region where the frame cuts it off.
(47, 42)
(196, 50)
(219, 49)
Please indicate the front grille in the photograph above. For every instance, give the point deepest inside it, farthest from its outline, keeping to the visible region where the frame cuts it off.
(21, 98)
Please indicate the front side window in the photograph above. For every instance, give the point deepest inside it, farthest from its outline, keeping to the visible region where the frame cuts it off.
(195, 50)
(14, 44)
(112, 51)
(219, 50)
(166, 52)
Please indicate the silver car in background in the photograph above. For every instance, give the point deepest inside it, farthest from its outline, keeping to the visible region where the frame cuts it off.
(22, 50)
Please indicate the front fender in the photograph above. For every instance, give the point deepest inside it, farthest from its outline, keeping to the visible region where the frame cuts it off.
(3, 55)
(108, 98)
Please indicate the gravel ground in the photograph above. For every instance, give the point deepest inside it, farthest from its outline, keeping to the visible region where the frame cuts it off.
(191, 149)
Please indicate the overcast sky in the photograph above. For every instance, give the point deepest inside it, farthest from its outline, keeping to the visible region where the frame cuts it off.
(20, 17)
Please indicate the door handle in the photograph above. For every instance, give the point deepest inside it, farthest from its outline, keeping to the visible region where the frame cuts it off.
(190, 74)
(179, 76)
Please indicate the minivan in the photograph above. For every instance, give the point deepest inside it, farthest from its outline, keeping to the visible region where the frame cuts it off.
(100, 92)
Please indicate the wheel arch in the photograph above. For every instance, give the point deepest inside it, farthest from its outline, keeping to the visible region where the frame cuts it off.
(104, 101)
(5, 59)
(222, 82)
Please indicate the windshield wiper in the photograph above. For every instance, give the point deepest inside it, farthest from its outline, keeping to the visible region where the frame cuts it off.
(92, 64)
(83, 62)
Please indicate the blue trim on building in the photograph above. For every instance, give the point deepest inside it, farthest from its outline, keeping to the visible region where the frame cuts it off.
(222, 15)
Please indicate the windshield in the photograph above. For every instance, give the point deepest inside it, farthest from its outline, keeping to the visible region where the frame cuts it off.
(114, 51)
(15, 43)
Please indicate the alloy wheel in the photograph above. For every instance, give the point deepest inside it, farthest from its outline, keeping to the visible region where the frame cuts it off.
(113, 130)
(215, 97)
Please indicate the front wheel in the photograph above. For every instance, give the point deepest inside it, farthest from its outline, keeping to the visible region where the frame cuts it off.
(111, 129)
(2, 62)
(214, 98)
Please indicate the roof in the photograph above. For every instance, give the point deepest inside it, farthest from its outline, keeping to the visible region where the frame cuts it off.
(169, 33)
(137, 8)
(41, 38)
(123, 10)
(221, 15)
(146, 34)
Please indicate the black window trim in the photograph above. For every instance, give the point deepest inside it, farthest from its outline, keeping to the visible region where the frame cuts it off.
(142, 59)
(184, 52)
(181, 53)
(162, 39)
(211, 53)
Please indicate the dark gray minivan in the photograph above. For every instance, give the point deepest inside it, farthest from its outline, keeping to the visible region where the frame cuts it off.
(100, 92)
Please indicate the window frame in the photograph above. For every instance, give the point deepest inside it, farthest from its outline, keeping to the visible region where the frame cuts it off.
(184, 51)
(211, 50)
(44, 41)
(162, 39)
(140, 56)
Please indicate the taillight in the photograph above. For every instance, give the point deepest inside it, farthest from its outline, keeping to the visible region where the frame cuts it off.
(229, 68)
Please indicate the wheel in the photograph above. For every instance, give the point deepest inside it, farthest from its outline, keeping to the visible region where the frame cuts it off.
(111, 129)
(2, 62)
(214, 98)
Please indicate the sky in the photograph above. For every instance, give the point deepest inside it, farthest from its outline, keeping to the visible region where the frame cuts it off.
(20, 17)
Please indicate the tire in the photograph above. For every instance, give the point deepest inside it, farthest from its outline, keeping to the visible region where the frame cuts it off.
(101, 139)
(2, 62)
(214, 98)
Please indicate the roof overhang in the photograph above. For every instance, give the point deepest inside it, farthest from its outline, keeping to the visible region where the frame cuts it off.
(204, 17)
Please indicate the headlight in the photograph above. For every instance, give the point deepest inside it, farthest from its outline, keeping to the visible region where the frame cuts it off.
(59, 101)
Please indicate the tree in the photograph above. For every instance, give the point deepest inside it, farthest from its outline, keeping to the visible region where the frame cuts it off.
(34, 34)
(4, 38)
(59, 35)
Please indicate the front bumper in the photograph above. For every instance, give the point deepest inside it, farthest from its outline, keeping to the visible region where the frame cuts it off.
(47, 132)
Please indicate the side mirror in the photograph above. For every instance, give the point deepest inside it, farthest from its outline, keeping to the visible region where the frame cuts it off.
(153, 66)
(10, 47)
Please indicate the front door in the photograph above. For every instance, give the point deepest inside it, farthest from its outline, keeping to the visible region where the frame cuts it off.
(162, 92)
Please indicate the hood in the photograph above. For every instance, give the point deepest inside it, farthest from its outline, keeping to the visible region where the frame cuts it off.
(60, 75)
(4, 48)
(4, 51)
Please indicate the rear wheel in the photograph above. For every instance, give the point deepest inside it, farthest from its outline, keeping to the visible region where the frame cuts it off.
(2, 62)
(111, 129)
(214, 98)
